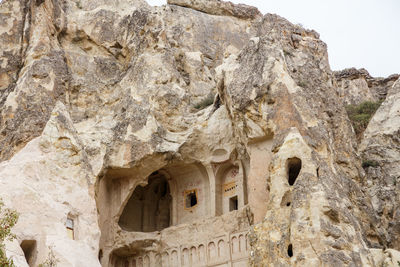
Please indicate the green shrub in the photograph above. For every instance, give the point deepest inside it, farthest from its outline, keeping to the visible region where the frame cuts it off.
(207, 101)
(8, 218)
(361, 114)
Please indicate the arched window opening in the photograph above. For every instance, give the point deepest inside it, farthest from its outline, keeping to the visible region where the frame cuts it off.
(149, 207)
(293, 169)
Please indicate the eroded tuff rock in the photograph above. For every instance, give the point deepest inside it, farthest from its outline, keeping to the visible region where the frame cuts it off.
(357, 85)
(197, 133)
(380, 150)
(218, 7)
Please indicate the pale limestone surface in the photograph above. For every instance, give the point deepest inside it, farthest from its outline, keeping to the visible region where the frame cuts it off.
(105, 95)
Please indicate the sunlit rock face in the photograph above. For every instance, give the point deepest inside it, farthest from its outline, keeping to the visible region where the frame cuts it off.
(199, 133)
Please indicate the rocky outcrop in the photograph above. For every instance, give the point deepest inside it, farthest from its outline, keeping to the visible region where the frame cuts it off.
(198, 133)
(380, 150)
(357, 85)
(218, 7)
(35, 73)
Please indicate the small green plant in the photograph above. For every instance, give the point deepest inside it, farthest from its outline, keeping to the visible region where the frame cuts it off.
(361, 114)
(8, 218)
(78, 4)
(287, 53)
(51, 260)
(302, 84)
(369, 163)
(207, 101)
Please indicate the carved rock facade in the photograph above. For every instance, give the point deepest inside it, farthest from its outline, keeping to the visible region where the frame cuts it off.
(199, 133)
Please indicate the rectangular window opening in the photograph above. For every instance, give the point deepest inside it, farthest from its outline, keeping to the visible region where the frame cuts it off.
(70, 228)
(233, 203)
(190, 198)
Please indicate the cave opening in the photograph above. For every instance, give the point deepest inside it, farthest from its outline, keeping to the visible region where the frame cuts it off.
(293, 169)
(29, 249)
(149, 207)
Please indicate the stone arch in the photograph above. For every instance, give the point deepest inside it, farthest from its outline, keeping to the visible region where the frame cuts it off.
(139, 262)
(235, 245)
(146, 261)
(212, 252)
(165, 259)
(187, 180)
(221, 248)
(185, 257)
(202, 253)
(148, 208)
(194, 257)
(174, 258)
(242, 243)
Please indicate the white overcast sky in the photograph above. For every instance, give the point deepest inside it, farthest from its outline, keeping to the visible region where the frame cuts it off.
(359, 33)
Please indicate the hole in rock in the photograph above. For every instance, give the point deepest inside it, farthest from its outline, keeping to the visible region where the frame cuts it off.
(290, 250)
(233, 203)
(286, 199)
(28, 247)
(191, 198)
(293, 169)
(100, 254)
(148, 209)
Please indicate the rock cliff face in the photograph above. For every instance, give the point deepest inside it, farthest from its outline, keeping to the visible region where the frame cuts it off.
(200, 133)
